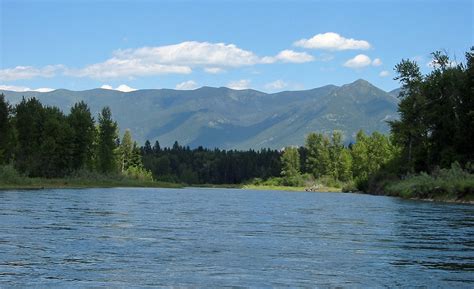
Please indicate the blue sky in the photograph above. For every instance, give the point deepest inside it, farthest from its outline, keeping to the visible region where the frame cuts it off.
(266, 45)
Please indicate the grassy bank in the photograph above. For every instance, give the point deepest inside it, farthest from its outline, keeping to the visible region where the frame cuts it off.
(301, 184)
(452, 185)
(273, 188)
(10, 179)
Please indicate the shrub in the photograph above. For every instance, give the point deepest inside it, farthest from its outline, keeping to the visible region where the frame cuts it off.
(8, 175)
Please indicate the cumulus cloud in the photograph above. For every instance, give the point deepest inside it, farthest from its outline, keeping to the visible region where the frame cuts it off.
(117, 68)
(358, 61)
(239, 84)
(28, 72)
(384, 73)
(179, 58)
(170, 59)
(289, 56)
(377, 62)
(186, 85)
(125, 88)
(362, 60)
(276, 85)
(122, 87)
(332, 41)
(23, 88)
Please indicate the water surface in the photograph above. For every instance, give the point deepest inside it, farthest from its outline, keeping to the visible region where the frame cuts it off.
(222, 237)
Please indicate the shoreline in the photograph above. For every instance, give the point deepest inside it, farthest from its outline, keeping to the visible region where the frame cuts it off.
(71, 184)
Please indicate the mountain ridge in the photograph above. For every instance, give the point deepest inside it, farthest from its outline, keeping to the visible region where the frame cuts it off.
(235, 119)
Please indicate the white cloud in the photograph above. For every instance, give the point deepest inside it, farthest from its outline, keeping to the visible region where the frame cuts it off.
(191, 53)
(186, 85)
(179, 58)
(289, 56)
(276, 85)
(170, 59)
(122, 87)
(117, 68)
(213, 70)
(125, 88)
(384, 73)
(23, 88)
(28, 72)
(239, 84)
(358, 61)
(44, 89)
(377, 62)
(332, 41)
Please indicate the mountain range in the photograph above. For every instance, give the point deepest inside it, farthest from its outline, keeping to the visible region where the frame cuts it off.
(235, 119)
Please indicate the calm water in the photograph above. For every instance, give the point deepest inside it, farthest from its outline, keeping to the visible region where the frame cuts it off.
(216, 237)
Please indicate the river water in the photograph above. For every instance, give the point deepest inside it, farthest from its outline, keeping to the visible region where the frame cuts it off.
(131, 237)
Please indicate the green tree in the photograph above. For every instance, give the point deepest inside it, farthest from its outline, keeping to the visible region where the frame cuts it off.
(410, 131)
(107, 142)
(6, 131)
(83, 135)
(360, 154)
(291, 166)
(335, 150)
(318, 158)
(344, 166)
(126, 150)
(28, 120)
(56, 149)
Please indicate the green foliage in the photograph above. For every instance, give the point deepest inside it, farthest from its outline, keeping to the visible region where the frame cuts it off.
(126, 151)
(107, 142)
(318, 158)
(369, 155)
(139, 173)
(291, 167)
(206, 166)
(436, 114)
(83, 136)
(6, 131)
(8, 175)
(452, 183)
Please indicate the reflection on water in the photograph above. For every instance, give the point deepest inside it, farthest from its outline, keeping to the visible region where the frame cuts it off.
(215, 237)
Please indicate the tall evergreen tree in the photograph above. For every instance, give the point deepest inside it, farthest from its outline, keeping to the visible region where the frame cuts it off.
(6, 131)
(107, 142)
(29, 117)
(410, 131)
(83, 135)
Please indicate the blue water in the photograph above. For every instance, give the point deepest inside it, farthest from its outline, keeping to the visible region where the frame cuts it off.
(220, 237)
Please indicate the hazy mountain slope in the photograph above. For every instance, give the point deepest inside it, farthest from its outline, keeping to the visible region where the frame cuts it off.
(226, 118)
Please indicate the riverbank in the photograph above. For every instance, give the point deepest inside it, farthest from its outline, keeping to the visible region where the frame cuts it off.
(446, 185)
(98, 181)
(319, 189)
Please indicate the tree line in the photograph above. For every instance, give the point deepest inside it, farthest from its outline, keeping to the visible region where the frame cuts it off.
(42, 141)
(209, 166)
(327, 158)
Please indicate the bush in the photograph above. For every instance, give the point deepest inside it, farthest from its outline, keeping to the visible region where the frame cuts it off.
(8, 175)
(446, 183)
(139, 173)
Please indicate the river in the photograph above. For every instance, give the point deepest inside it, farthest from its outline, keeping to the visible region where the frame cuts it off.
(127, 237)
